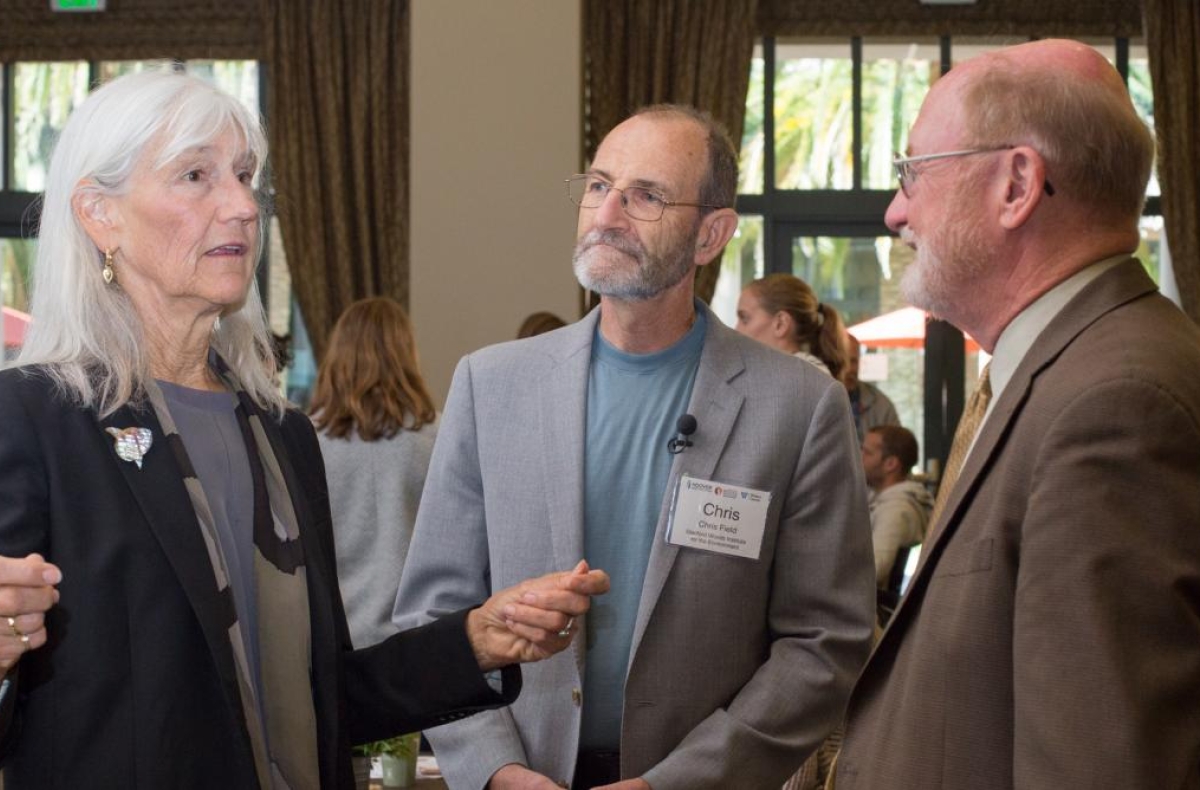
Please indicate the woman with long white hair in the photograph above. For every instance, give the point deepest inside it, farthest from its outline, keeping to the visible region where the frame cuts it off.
(198, 639)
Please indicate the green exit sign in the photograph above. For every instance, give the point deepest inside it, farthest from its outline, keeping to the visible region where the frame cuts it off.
(77, 5)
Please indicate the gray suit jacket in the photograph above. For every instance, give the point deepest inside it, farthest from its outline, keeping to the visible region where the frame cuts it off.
(1051, 635)
(739, 667)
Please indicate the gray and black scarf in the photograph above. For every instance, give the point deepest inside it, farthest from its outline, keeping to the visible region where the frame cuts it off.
(284, 736)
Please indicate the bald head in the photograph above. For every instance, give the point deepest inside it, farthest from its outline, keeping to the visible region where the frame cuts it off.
(1062, 57)
(718, 183)
(1055, 182)
(1067, 102)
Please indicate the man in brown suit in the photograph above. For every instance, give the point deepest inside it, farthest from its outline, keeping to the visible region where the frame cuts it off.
(1051, 636)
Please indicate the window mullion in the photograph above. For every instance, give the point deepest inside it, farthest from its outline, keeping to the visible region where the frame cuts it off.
(1121, 45)
(768, 238)
(7, 115)
(856, 111)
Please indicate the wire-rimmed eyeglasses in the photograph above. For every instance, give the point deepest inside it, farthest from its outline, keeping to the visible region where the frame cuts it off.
(640, 203)
(906, 173)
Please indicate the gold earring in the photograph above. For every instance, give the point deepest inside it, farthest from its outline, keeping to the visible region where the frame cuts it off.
(107, 272)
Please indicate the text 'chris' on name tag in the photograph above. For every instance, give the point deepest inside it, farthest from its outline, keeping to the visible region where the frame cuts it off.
(718, 517)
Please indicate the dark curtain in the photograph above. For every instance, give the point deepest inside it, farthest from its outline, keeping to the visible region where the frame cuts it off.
(1172, 35)
(639, 52)
(337, 117)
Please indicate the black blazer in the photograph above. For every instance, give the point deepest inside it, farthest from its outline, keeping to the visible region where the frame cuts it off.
(136, 686)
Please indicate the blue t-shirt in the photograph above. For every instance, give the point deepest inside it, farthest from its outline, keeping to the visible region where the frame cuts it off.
(633, 404)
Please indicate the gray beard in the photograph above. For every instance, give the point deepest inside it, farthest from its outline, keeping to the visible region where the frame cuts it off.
(942, 272)
(652, 275)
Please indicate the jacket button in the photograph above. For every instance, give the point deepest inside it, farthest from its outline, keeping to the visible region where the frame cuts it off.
(577, 697)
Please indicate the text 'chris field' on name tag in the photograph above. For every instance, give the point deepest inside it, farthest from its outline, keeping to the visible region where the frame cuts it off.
(718, 517)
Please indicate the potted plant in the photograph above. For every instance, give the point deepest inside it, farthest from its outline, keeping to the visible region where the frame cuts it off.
(397, 757)
(360, 758)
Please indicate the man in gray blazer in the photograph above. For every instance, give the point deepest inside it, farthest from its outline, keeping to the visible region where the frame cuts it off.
(737, 540)
(1051, 635)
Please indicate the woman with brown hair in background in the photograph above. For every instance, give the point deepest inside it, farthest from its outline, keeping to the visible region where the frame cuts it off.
(376, 424)
(539, 323)
(781, 311)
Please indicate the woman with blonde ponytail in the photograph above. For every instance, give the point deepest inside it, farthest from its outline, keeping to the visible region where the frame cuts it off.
(781, 311)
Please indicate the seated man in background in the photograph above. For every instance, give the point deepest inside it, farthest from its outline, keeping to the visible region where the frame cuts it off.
(900, 506)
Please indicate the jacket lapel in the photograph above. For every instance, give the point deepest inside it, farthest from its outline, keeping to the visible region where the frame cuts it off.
(715, 403)
(159, 491)
(562, 407)
(1125, 282)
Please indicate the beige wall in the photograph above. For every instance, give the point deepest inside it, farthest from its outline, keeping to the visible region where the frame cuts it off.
(496, 102)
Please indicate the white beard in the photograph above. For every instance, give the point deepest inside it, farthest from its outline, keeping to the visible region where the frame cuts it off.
(602, 263)
(944, 273)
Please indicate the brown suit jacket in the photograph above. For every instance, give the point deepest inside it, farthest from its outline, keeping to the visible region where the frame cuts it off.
(1051, 637)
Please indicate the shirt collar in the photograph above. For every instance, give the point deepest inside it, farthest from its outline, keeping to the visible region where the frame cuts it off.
(1023, 331)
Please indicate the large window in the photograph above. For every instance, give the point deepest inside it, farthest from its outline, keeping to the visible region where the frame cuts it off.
(823, 121)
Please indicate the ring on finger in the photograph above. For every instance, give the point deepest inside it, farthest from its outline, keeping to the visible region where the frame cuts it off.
(24, 642)
(566, 631)
(12, 623)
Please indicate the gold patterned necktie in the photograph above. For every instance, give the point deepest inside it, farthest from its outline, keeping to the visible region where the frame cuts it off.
(964, 435)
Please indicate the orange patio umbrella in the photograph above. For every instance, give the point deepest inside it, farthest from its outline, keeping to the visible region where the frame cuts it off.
(903, 328)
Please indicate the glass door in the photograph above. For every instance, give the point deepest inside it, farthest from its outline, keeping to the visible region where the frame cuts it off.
(923, 366)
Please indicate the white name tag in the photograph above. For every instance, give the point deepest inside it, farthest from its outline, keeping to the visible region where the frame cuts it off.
(717, 517)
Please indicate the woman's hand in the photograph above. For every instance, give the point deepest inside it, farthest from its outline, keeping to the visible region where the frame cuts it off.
(26, 594)
(532, 620)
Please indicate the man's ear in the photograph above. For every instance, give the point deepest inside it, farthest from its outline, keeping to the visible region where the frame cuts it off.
(98, 215)
(891, 464)
(1025, 177)
(716, 230)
